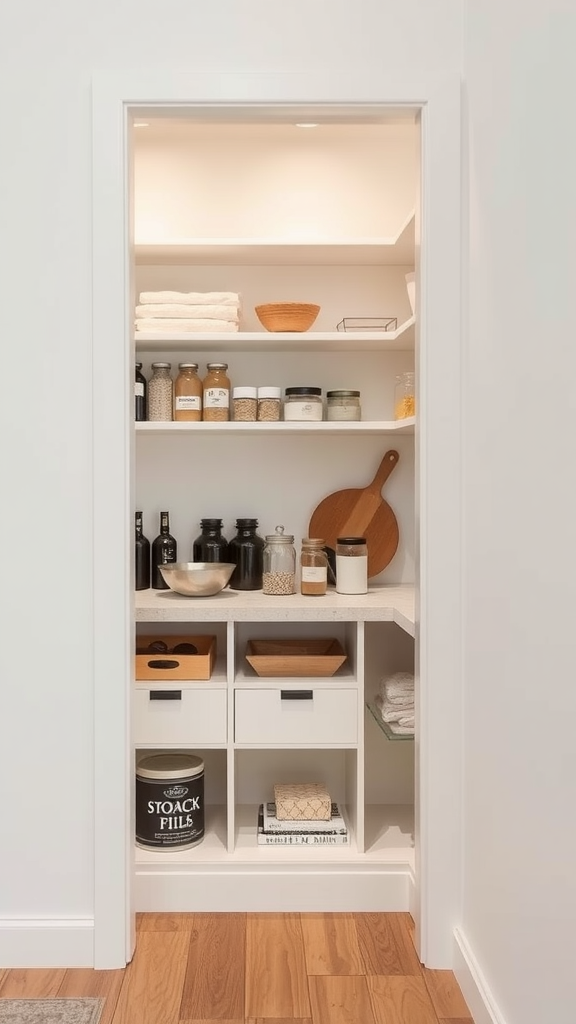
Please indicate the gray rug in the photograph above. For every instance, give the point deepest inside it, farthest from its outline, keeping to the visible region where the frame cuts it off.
(50, 1011)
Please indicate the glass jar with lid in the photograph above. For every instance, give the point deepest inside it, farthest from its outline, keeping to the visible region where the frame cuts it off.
(210, 545)
(160, 392)
(216, 393)
(303, 403)
(188, 394)
(269, 404)
(279, 563)
(313, 567)
(404, 396)
(245, 404)
(351, 565)
(343, 405)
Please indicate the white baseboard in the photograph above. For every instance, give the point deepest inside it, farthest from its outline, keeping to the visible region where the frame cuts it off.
(46, 942)
(475, 990)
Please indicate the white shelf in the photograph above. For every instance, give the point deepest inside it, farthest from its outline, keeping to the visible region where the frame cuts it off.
(371, 251)
(329, 429)
(400, 340)
(389, 603)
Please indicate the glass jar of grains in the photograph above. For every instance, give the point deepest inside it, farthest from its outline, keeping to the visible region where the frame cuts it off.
(279, 563)
(245, 404)
(404, 396)
(343, 405)
(269, 404)
(313, 567)
(160, 392)
(188, 393)
(216, 393)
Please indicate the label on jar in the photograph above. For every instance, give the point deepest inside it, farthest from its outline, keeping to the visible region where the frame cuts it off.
(216, 398)
(139, 389)
(303, 410)
(314, 574)
(187, 402)
(352, 574)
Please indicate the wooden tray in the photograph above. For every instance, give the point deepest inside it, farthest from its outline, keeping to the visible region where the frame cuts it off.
(166, 667)
(314, 657)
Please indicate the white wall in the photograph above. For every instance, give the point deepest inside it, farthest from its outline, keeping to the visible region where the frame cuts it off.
(46, 720)
(519, 898)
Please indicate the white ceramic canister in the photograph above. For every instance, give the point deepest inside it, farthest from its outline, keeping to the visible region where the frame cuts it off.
(351, 565)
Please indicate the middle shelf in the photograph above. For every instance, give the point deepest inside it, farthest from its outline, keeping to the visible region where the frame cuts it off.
(333, 428)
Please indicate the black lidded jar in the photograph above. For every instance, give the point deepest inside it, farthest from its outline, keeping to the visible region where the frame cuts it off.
(210, 545)
(140, 388)
(245, 550)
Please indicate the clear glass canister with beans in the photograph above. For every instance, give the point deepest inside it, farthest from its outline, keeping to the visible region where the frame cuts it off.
(245, 404)
(160, 392)
(279, 563)
(269, 403)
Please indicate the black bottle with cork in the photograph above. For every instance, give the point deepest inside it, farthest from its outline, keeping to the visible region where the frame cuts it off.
(164, 551)
(210, 545)
(246, 549)
(141, 557)
(140, 389)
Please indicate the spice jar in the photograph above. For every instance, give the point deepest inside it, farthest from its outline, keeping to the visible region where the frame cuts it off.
(343, 405)
(139, 394)
(279, 563)
(269, 404)
(404, 396)
(313, 567)
(351, 565)
(245, 404)
(245, 549)
(210, 545)
(216, 393)
(160, 392)
(188, 393)
(303, 404)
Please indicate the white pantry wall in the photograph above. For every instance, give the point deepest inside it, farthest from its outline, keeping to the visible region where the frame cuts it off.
(519, 401)
(47, 58)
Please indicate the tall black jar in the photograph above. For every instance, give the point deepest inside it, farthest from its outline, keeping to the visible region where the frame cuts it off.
(245, 549)
(210, 545)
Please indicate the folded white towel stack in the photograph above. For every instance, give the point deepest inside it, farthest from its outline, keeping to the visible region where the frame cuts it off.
(188, 312)
(396, 702)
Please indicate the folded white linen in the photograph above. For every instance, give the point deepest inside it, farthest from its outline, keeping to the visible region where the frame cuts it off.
(173, 309)
(401, 717)
(401, 730)
(192, 298)
(197, 325)
(398, 687)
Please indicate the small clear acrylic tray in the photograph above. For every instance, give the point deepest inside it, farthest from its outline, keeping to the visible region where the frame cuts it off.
(368, 323)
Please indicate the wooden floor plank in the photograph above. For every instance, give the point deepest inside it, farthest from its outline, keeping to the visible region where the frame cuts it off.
(3, 976)
(153, 984)
(214, 982)
(164, 922)
(400, 926)
(377, 946)
(273, 1020)
(83, 983)
(455, 1020)
(331, 944)
(212, 1020)
(340, 1000)
(445, 994)
(276, 984)
(397, 1000)
(32, 983)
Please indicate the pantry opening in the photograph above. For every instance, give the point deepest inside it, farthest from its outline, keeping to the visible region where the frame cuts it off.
(245, 202)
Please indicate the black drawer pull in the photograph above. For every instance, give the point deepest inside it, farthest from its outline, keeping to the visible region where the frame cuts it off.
(163, 663)
(165, 694)
(296, 694)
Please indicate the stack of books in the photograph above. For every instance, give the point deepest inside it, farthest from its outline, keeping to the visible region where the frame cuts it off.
(275, 832)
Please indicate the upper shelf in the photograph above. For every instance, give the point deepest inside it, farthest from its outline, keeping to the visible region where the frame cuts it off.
(400, 340)
(375, 251)
(282, 427)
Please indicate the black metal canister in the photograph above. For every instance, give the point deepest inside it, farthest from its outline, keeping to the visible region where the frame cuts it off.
(169, 801)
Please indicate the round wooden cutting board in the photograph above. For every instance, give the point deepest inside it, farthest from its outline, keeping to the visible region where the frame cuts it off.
(361, 512)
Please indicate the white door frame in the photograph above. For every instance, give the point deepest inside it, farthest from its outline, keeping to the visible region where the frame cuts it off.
(117, 98)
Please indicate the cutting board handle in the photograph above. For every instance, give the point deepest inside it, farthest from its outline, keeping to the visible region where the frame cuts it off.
(385, 468)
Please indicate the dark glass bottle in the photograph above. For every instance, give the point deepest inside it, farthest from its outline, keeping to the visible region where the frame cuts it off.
(164, 551)
(210, 546)
(139, 394)
(245, 549)
(142, 557)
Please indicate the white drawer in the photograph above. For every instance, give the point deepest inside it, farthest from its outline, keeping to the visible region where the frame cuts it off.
(305, 715)
(166, 713)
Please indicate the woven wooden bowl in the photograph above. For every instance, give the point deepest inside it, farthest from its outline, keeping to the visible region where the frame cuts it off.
(287, 316)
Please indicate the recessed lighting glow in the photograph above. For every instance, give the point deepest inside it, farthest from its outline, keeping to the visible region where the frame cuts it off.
(306, 124)
(141, 124)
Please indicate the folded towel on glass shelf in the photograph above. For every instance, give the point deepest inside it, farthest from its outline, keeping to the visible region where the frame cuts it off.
(398, 688)
(174, 309)
(181, 326)
(192, 298)
(403, 717)
(401, 730)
